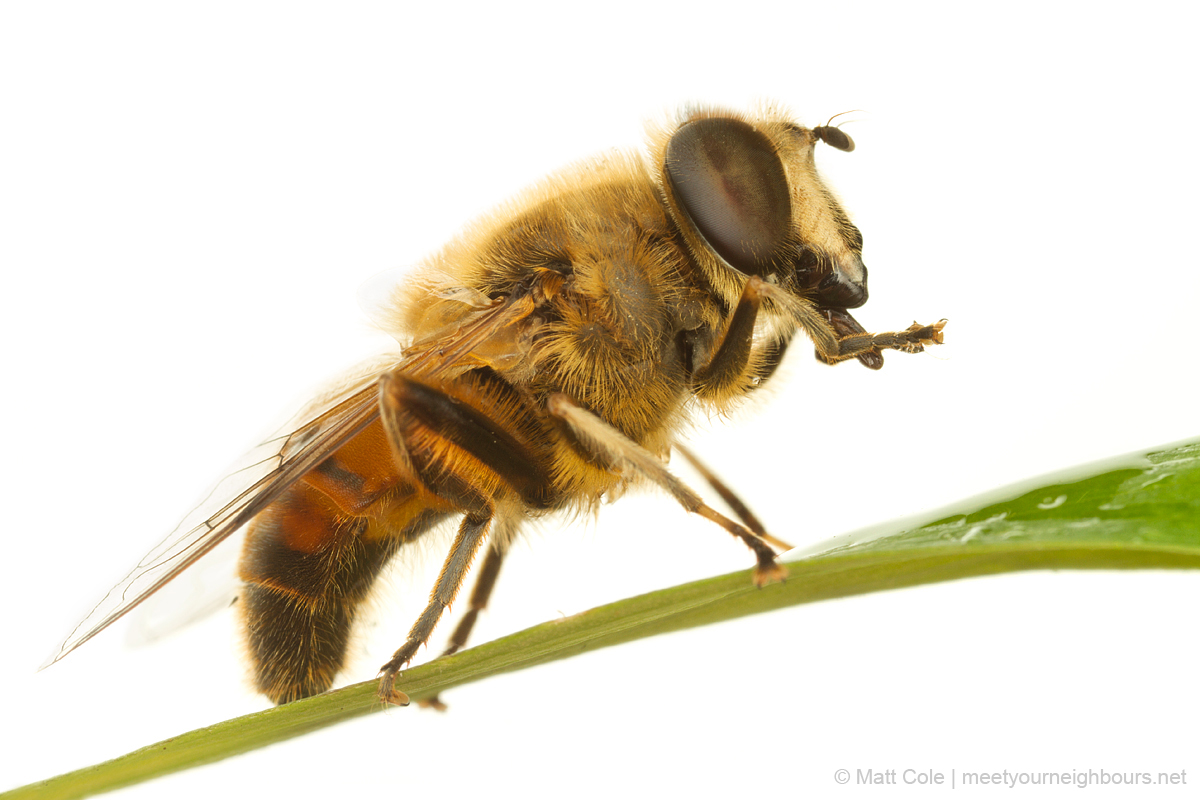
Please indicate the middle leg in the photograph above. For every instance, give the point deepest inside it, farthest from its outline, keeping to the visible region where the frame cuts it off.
(739, 507)
(484, 583)
(470, 536)
(623, 455)
(473, 444)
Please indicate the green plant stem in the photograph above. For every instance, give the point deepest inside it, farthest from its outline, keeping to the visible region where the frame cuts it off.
(1141, 512)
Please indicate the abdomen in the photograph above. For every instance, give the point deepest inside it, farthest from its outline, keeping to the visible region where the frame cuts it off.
(311, 558)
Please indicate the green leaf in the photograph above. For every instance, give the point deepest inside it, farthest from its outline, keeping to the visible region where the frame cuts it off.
(1140, 511)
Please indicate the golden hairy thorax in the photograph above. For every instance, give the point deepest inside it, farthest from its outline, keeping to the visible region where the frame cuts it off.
(596, 244)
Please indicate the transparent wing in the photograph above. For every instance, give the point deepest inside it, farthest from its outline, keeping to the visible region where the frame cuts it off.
(255, 481)
(206, 587)
(210, 584)
(263, 474)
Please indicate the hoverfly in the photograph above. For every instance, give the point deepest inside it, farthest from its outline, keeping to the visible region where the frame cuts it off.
(551, 354)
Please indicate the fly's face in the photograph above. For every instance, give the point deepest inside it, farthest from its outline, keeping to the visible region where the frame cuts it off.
(746, 195)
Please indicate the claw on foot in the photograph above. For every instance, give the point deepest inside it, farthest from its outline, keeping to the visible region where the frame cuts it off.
(919, 335)
(928, 334)
(388, 692)
(394, 698)
(768, 574)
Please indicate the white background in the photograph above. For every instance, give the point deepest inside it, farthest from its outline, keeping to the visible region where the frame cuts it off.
(189, 201)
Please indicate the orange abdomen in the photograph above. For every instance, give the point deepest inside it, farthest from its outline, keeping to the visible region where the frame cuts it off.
(310, 559)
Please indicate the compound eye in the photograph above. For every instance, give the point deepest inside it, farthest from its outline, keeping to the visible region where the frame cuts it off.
(732, 185)
(834, 137)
